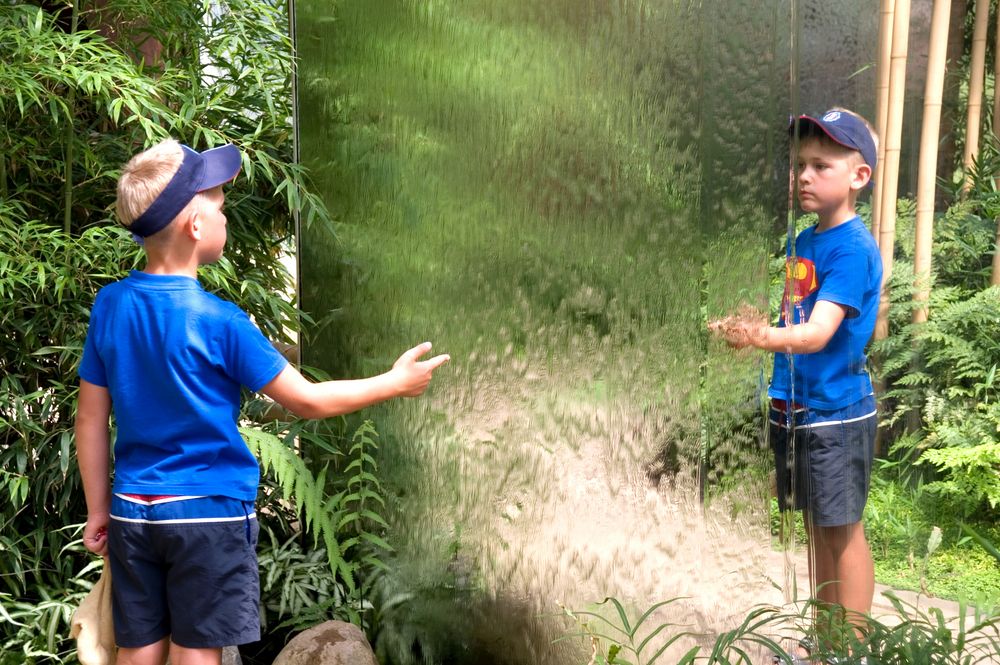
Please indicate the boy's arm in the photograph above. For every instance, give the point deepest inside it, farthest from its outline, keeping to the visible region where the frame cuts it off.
(408, 377)
(93, 456)
(808, 337)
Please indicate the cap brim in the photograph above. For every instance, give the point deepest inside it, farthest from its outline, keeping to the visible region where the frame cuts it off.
(222, 164)
(803, 119)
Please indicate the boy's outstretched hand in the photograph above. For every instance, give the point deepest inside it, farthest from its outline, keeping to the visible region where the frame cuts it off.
(414, 375)
(747, 327)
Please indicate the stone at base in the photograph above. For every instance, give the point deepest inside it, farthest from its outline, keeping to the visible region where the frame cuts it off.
(329, 643)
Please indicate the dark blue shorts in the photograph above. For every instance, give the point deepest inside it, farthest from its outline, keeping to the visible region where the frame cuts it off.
(830, 471)
(187, 569)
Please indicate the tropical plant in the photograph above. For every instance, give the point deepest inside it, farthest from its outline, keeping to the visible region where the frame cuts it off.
(913, 637)
(344, 520)
(75, 103)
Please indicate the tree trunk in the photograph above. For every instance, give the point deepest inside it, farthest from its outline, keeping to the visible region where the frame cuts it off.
(892, 140)
(976, 76)
(927, 168)
(881, 105)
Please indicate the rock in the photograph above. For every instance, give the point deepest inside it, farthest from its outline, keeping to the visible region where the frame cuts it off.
(329, 643)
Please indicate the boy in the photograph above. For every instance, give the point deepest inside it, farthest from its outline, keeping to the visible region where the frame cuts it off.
(169, 358)
(827, 318)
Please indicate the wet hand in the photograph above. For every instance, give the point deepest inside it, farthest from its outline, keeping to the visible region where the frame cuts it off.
(412, 375)
(748, 327)
(95, 534)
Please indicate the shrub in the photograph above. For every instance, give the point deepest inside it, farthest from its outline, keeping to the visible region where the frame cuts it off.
(73, 107)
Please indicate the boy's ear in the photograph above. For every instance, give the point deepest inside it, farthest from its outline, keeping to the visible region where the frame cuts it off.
(862, 174)
(192, 225)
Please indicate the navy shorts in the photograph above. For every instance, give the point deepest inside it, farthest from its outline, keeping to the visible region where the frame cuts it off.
(184, 568)
(830, 471)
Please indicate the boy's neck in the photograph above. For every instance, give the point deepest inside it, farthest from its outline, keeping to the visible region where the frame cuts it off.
(157, 264)
(835, 218)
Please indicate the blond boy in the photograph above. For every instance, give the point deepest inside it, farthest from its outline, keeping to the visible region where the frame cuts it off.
(821, 391)
(169, 359)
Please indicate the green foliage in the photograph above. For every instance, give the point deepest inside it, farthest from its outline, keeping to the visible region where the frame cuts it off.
(42, 581)
(942, 373)
(971, 475)
(634, 637)
(894, 524)
(912, 637)
(74, 107)
(630, 637)
(900, 522)
(945, 370)
(989, 547)
(924, 637)
(296, 587)
(346, 522)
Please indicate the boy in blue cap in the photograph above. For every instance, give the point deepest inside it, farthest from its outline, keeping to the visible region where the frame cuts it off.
(827, 318)
(169, 359)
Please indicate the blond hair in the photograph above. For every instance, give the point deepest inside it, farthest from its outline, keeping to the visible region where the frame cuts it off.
(144, 177)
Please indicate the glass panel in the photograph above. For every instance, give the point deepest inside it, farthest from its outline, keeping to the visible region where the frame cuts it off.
(560, 194)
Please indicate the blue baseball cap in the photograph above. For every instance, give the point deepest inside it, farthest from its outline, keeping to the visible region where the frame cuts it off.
(846, 129)
(198, 172)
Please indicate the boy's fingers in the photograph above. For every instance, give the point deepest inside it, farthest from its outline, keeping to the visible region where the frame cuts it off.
(436, 361)
(417, 351)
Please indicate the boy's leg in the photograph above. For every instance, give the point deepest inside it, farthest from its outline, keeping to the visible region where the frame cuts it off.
(156, 654)
(184, 656)
(822, 568)
(840, 452)
(151, 654)
(852, 568)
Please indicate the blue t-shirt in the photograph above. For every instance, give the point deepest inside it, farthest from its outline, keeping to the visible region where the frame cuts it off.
(841, 265)
(173, 358)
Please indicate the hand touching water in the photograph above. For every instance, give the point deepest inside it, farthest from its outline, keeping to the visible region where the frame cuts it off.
(412, 375)
(747, 327)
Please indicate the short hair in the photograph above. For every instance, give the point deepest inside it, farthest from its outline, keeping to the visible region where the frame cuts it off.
(144, 177)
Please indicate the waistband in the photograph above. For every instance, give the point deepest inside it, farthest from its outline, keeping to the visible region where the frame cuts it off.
(181, 510)
(802, 417)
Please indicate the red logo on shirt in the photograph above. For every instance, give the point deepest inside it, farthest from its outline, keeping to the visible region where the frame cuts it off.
(800, 274)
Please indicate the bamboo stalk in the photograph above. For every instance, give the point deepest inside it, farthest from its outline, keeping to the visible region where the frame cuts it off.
(937, 56)
(892, 140)
(69, 139)
(976, 76)
(995, 275)
(996, 97)
(881, 105)
(995, 272)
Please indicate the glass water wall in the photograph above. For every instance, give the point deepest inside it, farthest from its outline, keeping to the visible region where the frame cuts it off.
(560, 194)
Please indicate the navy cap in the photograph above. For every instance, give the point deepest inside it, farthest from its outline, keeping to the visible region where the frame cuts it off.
(199, 171)
(846, 129)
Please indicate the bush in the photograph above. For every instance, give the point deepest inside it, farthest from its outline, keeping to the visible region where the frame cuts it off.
(73, 107)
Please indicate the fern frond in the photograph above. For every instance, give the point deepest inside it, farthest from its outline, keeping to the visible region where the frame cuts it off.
(308, 492)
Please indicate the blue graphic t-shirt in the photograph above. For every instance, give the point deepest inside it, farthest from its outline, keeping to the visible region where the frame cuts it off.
(174, 358)
(841, 265)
